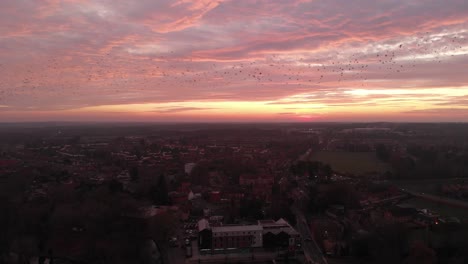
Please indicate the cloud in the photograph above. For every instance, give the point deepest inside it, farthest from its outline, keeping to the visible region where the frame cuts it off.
(180, 109)
(441, 111)
(455, 101)
(65, 55)
(165, 16)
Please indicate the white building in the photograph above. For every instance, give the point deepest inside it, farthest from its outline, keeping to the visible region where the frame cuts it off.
(237, 236)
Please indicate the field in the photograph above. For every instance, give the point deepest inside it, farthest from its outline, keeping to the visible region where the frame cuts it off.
(351, 162)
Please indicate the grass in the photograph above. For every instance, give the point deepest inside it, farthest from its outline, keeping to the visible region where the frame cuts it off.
(351, 162)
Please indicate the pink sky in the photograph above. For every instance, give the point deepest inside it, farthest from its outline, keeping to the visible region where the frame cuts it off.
(238, 60)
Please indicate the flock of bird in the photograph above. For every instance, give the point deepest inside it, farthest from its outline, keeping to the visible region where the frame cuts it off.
(110, 73)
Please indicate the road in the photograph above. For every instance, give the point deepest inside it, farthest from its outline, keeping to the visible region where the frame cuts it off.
(439, 199)
(305, 156)
(312, 252)
(176, 255)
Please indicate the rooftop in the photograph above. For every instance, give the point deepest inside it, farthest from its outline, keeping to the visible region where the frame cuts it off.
(277, 227)
(271, 223)
(236, 228)
(203, 224)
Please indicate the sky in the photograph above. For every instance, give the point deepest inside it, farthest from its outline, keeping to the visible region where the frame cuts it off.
(234, 60)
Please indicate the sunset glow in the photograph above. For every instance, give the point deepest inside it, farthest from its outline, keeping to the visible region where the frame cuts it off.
(255, 61)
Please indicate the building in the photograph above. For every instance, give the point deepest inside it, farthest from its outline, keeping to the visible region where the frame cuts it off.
(204, 234)
(279, 234)
(237, 236)
(266, 233)
(228, 237)
(189, 167)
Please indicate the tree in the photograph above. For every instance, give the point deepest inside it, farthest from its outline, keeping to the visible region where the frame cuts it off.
(115, 186)
(159, 192)
(360, 246)
(7, 223)
(75, 140)
(389, 244)
(382, 152)
(199, 174)
(312, 204)
(343, 194)
(327, 171)
(313, 168)
(421, 254)
(134, 174)
(288, 215)
(162, 226)
(251, 208)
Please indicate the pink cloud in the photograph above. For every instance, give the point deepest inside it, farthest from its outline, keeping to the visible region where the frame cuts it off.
(57, 55)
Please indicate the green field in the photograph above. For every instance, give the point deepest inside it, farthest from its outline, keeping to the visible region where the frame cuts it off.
(351, 162)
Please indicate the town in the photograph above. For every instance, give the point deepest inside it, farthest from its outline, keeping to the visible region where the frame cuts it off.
(225, 193)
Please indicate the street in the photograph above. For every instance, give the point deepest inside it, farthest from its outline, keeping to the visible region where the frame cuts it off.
(312, 252)
(439, 199)
(176, 255)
